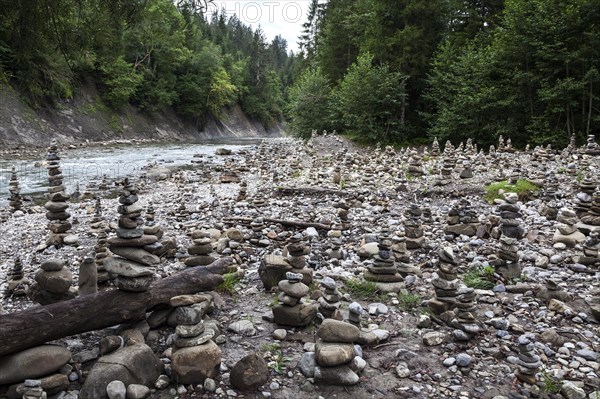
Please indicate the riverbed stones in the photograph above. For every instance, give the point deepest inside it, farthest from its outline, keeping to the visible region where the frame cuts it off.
(249, 373)
(32, 363)
(133, 266)
(566, 230)
(291, 311)
(462, 219)
(57, 206)
(14, 200)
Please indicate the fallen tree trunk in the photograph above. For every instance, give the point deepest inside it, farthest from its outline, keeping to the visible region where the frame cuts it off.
(289, 223)
(313, 191)
(34, 326)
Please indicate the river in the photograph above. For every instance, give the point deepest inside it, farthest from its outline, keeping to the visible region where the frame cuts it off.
(82, 165)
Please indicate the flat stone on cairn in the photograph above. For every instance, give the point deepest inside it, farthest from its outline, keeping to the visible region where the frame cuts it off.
(291, 311)
(566, 231)
(337, 362)
(53, 283)
(57, 205)
(445, 282)
(17, 282)
(201, 249)
(527, 360)
(133, 265)
(14, 200)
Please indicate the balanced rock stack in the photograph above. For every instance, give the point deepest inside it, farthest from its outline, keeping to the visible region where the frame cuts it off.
(412, 227)
(201, 249)
(415, 167)
(14, 200)
(153, 229)
(592, 217)
(88, 275)
(243, 193)
(435, 148)
(528, 361)
(258, 238)
(462, 220)
(291, 311)
(465, 321)
(182, 214)
(57, 205)
(101, 253)
(591, 147)
(132, 263)
(467, 171)
(329, 302)
(355, 311)
(297, 249)
(195, 356)
(584, 197)
(445, 282)
(337, 362)
(591, 249)
(383, 269)
(32, 389)
(335, 242)
(549, 207)
(53, 283)
(17, 282)
(402, 256)
(566, 231)
(98, 223)
(508, 257)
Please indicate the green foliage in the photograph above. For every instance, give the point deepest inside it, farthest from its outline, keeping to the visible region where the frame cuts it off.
(362, 288)
(309, 103)
(228, 284)
(120, 81)
(370, 101)
(524, 188)
(550, 385)
(480, 278)
(409, 302)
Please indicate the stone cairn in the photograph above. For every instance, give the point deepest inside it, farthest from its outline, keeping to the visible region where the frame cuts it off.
(329, 301)
(57, 205)
(445, 282)
(297, 249)
(383, 269)
(243, 193)
(584, 197)
(527, 360)
(591, 249)
(550, 206)
(201, 249)
(101, 251)
(465, 321)
(566, 230)
(17, 282)
(413, 228)
(98, 223)
(462, 219)
(511, 232)
(355, 311)
(415, 166)
(133, 265)
(53, 283)
(291, 311)
(258, 238)
(337, 361)
(467, 170)
(592, 216)
(14, 200)
(335, 242)
(435, 148)
(195, 356)
(591, 147)
(153, 229)
(32, 389)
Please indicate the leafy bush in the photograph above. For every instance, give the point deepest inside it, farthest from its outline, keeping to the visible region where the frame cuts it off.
(120, 81)
(309, 103)
(524, 189)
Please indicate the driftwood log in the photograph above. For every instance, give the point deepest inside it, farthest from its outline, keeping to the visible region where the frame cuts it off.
(313, 191)
(290, 223)
(34, 326)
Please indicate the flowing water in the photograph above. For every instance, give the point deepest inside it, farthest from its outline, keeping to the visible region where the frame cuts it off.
(80, 166)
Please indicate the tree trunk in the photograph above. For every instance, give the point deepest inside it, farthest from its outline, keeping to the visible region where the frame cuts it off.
(34, 326)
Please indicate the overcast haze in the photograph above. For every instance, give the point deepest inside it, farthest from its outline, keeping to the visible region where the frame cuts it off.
(283, 18)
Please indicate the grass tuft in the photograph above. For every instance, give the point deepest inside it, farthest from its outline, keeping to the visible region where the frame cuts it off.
(524, 189)
(361, 288)
(228, 284)
(480, 278)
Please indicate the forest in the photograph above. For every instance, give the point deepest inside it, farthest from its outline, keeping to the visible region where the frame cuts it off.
(401, 71)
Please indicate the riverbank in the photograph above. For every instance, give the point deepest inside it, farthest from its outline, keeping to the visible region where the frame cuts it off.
(418, 352)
